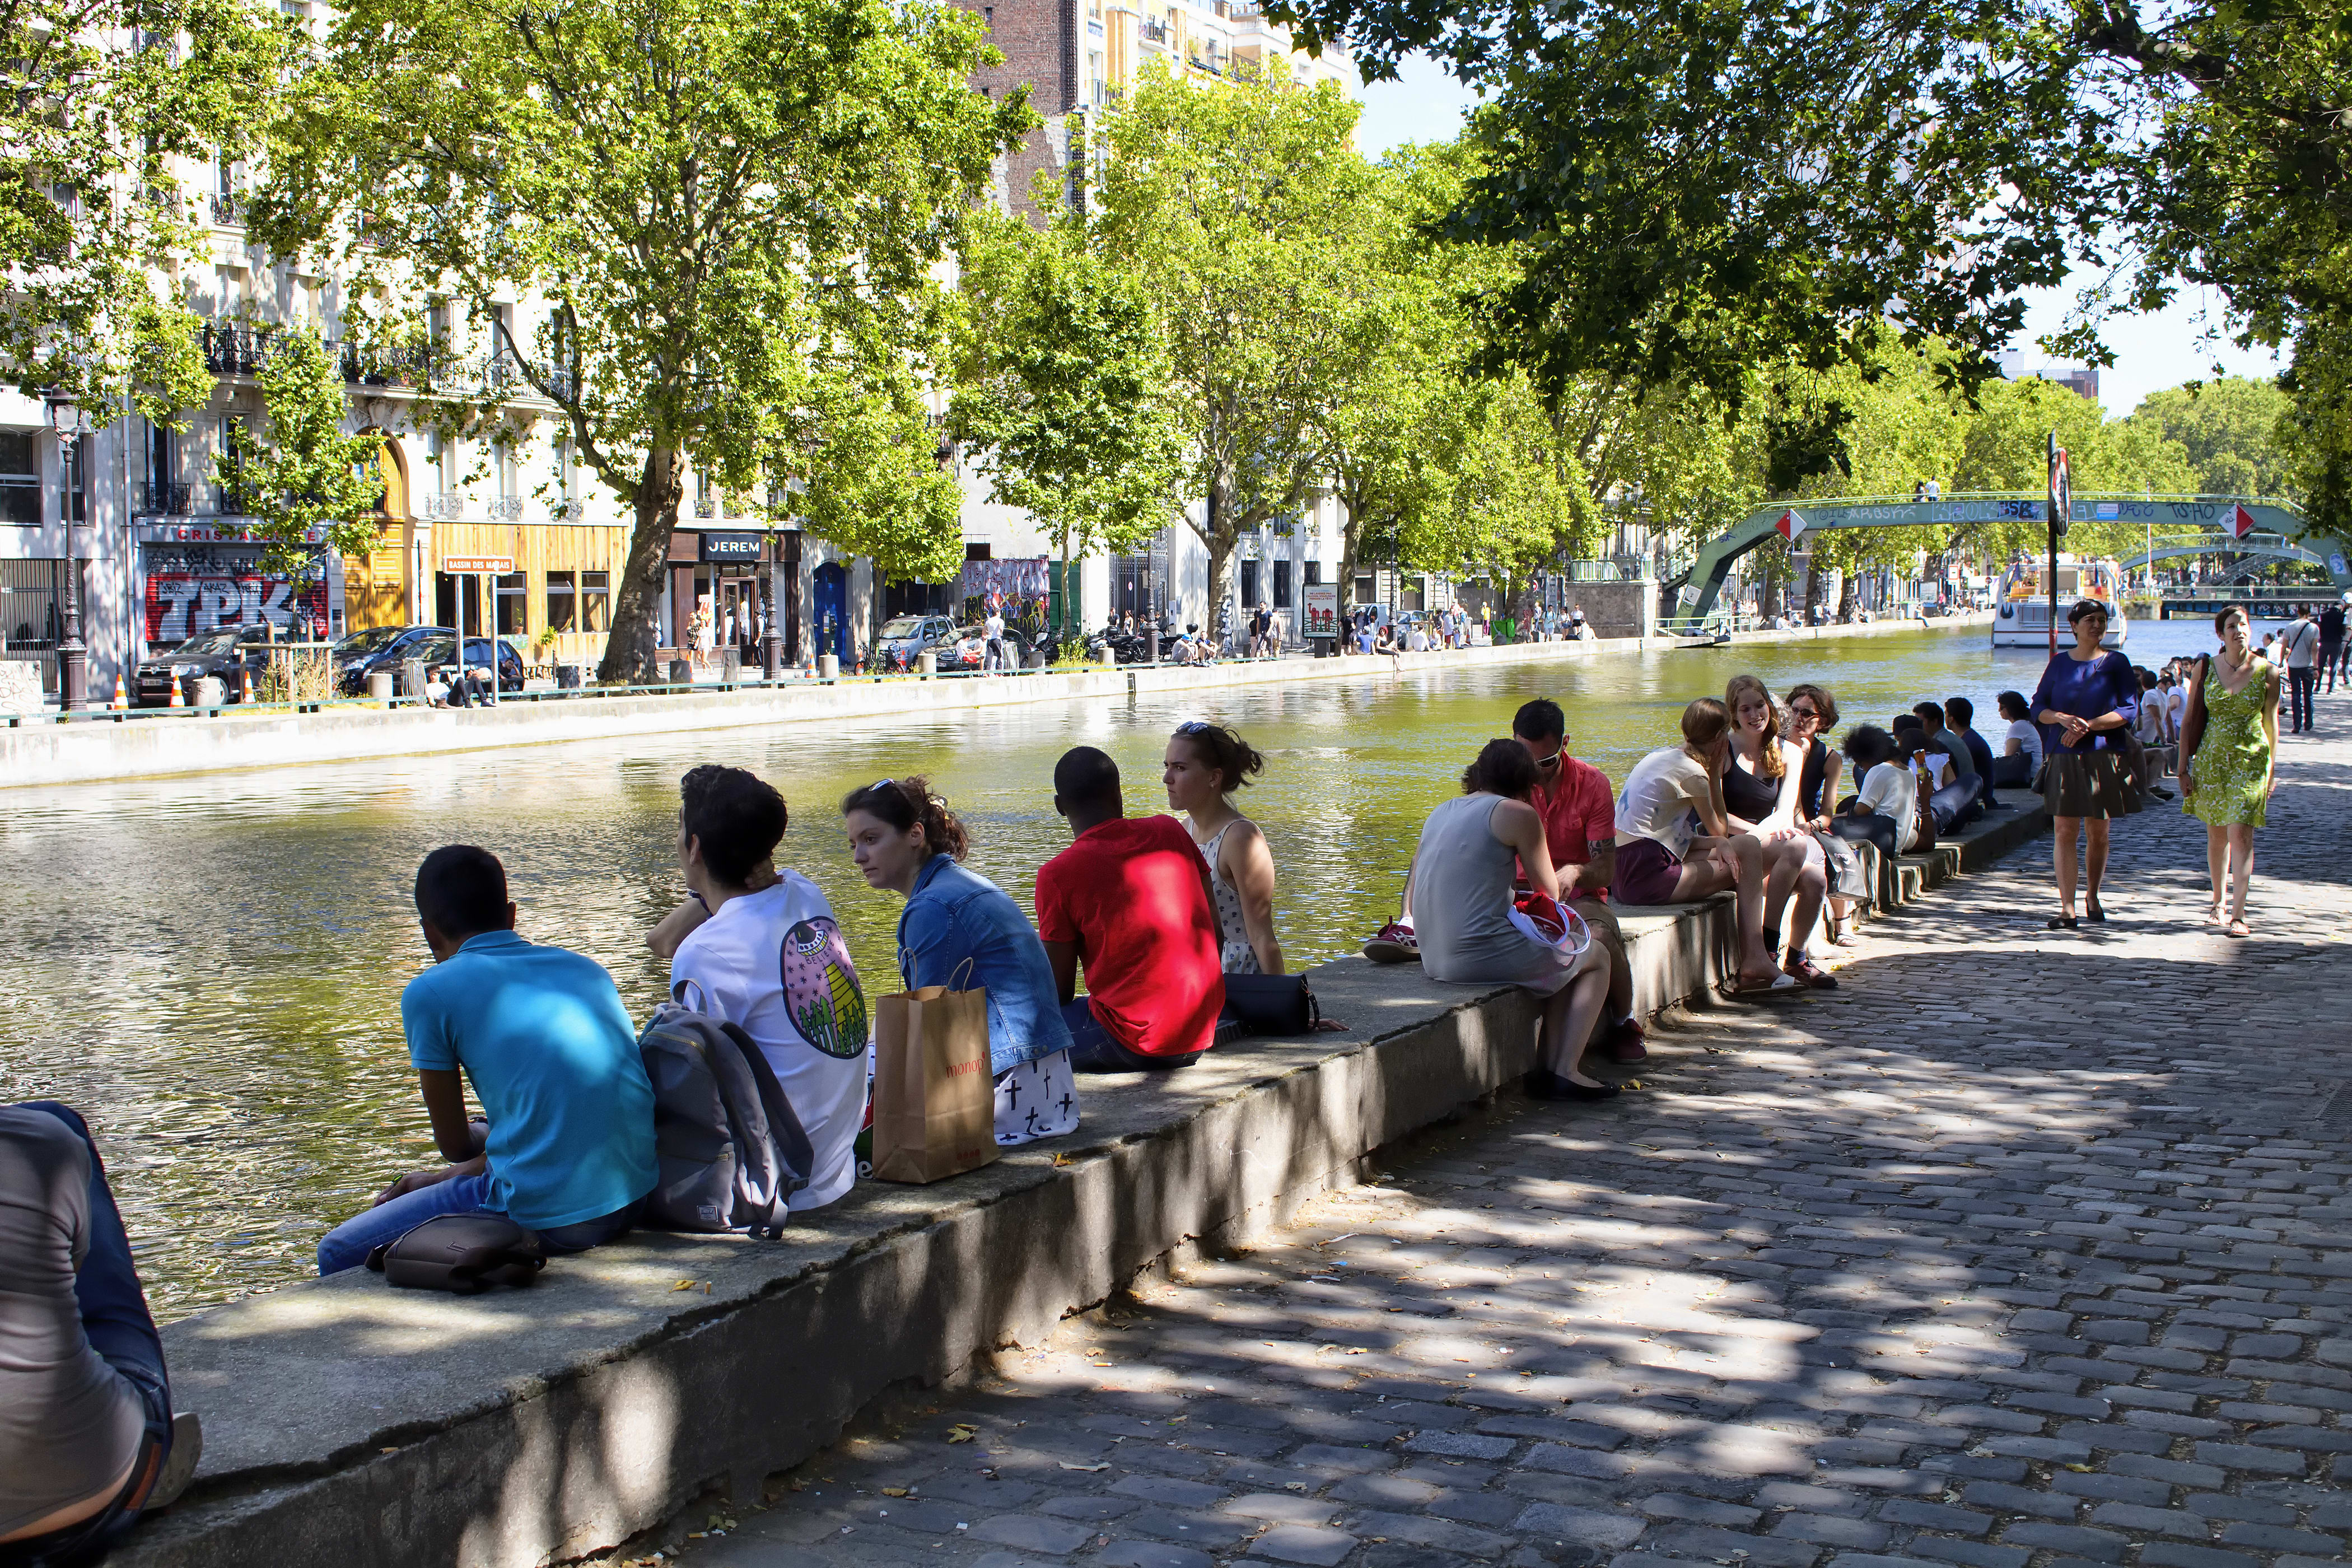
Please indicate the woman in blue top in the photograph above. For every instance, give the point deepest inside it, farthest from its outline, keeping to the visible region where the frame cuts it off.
(961, 930)
(2085, 704)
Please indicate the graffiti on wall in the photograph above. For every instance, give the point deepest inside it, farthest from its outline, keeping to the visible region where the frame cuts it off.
(180, 604)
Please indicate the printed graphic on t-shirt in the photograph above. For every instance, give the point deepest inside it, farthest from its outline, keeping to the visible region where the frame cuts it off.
(821, 990)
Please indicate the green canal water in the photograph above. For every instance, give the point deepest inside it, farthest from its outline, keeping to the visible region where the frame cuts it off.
(211, 969)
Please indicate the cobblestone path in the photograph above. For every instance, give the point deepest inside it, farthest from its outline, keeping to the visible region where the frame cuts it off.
(2019, 1251)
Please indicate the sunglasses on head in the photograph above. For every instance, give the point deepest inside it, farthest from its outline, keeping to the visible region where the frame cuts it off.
(1195, 727)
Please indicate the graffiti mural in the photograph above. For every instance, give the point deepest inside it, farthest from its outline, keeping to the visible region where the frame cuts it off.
(182, 604)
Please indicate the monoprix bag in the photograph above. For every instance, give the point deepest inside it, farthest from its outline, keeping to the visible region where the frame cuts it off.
(728, 1151)
(934, 1096)
(465, 1253)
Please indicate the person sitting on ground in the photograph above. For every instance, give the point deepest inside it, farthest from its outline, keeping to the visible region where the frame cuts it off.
(88, 1439)
(1460, 890)
(1959, 714)
(1129, 900)
(1202, 766)
(1762, 782)
(962, 931)
(1579, 807)
(542, 1035)
(2020, 748)
(771, 961)
(1674, 847)
(1885, 810)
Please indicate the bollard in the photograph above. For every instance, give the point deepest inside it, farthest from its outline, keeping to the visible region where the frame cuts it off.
(927, 661)
(211, 691)
(414, 682)
(1109, 659)
(379, 686)
(681, 672)
(828, 666)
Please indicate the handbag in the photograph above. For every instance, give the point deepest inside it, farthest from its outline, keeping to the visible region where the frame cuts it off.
(934, 1102)
(465, 1253)
(1550, 923)
(1846, 878)
(1273, 1004)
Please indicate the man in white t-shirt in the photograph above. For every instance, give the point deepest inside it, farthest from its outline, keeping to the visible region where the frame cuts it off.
(2300, 645)
(991, 648)
(1674, 845)
(773, 962)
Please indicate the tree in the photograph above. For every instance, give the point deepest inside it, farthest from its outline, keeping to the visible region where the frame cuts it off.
(730, 208)
(307, 474)
(2225, 428)
(1062, 385)
(1517, 504)
(100, 98)
(1235, 201)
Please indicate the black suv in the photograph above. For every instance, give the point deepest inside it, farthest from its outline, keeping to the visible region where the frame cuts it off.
(227, 652)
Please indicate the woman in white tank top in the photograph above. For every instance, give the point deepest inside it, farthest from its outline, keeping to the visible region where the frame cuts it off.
(1205, 764)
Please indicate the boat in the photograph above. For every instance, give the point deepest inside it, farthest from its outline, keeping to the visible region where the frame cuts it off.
(2022, 609)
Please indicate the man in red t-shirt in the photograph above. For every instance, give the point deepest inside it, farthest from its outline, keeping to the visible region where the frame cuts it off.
(1129, 899)
(1579, 806)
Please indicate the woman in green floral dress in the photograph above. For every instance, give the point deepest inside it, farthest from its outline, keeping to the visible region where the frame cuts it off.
(2229, 741)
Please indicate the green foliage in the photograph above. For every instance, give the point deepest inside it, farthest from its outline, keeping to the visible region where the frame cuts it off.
(2225, 428)
(100, 97)
(1516, 504)
(732, 207)
(308, 474)
(1063, 391)
(1237, 205)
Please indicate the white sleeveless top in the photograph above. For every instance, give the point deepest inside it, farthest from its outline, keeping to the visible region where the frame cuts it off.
(1236, 956)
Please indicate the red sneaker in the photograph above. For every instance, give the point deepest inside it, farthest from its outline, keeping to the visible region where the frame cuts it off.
(1393, 943)
(1623, 1041)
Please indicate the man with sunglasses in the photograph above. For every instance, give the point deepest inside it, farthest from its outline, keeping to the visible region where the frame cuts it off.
(1579, 807)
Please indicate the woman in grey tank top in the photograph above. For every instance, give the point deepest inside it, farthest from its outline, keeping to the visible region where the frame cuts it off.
(1204, 763)
(1458, 897)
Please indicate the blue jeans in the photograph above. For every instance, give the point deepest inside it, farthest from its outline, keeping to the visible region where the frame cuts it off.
(348, 1245)
(115, 1321)
(1094, 1048)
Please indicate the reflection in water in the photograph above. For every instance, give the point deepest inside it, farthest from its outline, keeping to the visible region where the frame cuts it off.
(210, 968)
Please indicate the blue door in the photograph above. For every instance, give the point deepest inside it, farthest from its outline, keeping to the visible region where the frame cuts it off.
(832, 594)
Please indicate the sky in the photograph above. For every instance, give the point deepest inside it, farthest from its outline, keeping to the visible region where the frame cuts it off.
(2152, 352)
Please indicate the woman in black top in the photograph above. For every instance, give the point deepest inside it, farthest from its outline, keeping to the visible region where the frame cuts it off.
(1812, 714)
(1759, 797)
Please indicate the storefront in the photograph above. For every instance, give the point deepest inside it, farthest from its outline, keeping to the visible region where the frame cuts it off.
(722, 575)
(196, 576)
(546, 587)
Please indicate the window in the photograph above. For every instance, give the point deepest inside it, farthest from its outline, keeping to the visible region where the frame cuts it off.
(562, 596)
(1415, 596)
(975, 550)
(20, 479)
(1282, 585)
(231, 443)
(595, 600)
(1314, 573)
(513, 618)
(1367, 590)
(1249, 584)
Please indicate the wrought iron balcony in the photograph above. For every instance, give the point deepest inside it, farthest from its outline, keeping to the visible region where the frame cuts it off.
(448, 505)
(167, 500)
(505, 509)
(234, 348)
(229, 208)
(706, 506)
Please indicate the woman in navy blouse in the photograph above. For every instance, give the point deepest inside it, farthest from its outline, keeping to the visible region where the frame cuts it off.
(2085, 704)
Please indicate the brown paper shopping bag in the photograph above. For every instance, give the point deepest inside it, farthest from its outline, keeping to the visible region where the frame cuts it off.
(934, 1098)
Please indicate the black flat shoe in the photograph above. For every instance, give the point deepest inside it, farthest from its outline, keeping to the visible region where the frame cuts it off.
(2063, 922)
(2096, 914)
(1545, 1084)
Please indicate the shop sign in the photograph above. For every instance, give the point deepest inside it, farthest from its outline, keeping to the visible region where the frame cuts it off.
(463, 565)
(730, 546)
(215, 533)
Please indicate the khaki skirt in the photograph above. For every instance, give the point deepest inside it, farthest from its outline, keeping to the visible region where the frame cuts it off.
(2094, 784)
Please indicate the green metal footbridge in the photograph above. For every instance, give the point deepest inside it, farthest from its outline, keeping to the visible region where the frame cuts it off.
(2281, 531)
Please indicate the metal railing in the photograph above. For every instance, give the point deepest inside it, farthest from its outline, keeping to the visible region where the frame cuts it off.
(236, 348)
(228, 209)
(165, 498)
(505, 509)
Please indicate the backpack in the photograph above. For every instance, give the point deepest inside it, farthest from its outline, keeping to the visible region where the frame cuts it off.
(460, 1252)
(729, 1150)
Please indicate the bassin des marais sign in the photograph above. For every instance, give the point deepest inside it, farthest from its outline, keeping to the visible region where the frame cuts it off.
(731, 546)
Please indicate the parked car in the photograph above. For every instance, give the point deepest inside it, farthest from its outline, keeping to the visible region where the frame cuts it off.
(439, 652)
(904, 638)
(383, 652)
(227, 652)
(969, 647)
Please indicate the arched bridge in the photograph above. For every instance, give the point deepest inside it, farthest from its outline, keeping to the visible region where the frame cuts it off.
(2253, 552)
(2276, 523)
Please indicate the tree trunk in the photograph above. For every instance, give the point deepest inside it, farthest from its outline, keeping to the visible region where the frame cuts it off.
(636, 609)
(1222, 540)
(1812, 588)
(1352, 540)
(1848, 583)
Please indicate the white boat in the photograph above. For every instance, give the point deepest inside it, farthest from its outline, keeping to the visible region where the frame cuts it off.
(2021, 616)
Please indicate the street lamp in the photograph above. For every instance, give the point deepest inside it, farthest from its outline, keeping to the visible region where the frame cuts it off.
(71, 425)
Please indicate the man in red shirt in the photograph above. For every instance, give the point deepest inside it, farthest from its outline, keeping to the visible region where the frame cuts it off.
(1579, 806)
(1131, 900)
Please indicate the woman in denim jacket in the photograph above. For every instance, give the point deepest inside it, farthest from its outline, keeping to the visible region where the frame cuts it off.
(961, 930)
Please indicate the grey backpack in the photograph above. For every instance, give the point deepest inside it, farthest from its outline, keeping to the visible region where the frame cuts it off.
(730, 1151)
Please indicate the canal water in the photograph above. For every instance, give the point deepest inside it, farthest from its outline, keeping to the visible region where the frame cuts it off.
(210, 968)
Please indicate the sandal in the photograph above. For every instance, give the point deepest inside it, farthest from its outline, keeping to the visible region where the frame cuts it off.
(1781, 983)
(2213, 915)
(1543, 1084)
(2095, 912)
(2239, 929)
(2063, 922)
(1810, 974)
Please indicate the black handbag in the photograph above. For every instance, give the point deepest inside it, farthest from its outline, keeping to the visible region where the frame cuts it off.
(1271, 1004)
(467, 1252)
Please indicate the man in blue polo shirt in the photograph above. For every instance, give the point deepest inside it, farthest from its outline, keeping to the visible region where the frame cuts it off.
(541, 1035)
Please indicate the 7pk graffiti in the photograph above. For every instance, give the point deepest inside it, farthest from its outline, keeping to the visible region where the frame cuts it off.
(180, 605)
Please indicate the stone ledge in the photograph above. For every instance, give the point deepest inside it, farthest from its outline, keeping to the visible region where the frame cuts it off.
(350, 1424)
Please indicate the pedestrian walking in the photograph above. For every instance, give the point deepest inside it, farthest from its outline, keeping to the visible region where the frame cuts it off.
(2300, 645)
(2229, 762)
(2087, 699)
(2331, 640)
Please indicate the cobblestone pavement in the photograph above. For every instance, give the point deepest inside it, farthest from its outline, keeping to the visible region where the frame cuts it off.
(2019, 1251)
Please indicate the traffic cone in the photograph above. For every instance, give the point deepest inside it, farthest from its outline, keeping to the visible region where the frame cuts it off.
(175, 701)
(121, 696)
(249, 687)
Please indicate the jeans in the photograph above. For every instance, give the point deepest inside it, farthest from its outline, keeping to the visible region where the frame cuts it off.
(1094, 1048)
(2299, 679)
(2331, 659)
(348, 1245)
(1956, 804)
(115, 1321)
(1868, 827)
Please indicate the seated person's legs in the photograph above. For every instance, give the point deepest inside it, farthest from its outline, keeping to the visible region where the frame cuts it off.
(1956, 804)
(2013, 772)
(99, 1400)
(348, 1245)
(1093, 1048)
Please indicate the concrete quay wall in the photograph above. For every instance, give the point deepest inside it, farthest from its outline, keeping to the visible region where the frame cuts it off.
(352, 1424)
(37, 751)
